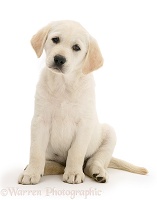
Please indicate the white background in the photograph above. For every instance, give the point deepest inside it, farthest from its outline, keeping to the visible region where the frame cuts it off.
(126, 88)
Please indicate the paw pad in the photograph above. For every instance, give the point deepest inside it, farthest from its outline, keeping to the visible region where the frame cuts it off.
(99, 179)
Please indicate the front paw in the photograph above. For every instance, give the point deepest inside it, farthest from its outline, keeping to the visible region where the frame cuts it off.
(30, 176)
(73, 177)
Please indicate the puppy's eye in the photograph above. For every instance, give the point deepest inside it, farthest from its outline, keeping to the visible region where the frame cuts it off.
(56, 40)
(76, 47)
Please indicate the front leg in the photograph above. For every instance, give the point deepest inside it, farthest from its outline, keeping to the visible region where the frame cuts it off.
(39, 142)
(73, 172)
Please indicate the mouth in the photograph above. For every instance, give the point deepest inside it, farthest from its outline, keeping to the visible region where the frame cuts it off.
(56, 69)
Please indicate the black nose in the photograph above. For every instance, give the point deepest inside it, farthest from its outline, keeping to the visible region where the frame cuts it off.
(59, 60)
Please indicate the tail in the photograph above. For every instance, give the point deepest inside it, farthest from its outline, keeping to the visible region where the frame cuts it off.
(123, 165)
(52, 168)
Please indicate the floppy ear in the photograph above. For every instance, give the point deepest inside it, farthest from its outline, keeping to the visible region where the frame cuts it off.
(93, 59)
(38, 40)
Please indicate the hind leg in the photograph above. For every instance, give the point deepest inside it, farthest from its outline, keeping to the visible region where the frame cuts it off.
(96, 166)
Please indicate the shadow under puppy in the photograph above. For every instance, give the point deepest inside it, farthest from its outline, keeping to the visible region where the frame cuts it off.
(66, 136)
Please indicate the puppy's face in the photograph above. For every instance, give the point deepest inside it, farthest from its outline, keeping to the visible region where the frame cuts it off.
(66, 47)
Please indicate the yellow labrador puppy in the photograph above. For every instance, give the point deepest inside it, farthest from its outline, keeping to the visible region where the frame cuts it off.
(66, 136)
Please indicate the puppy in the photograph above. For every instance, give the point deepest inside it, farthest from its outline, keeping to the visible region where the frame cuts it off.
(66, 137)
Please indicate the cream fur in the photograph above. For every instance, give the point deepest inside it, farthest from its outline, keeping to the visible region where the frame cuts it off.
(65, 130)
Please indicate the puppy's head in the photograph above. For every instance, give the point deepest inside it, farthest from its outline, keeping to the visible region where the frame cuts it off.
(68, 47)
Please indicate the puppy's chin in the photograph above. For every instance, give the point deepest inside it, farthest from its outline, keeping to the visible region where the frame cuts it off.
(56, 70)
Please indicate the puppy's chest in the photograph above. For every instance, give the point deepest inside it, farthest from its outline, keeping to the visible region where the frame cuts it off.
(66, 113)
(66, 106)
